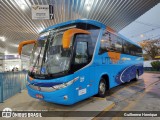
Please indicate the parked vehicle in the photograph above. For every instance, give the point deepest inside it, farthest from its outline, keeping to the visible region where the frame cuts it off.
(74, 60)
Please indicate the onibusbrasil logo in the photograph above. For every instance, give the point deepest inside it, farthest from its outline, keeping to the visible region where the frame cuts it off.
(7, 112)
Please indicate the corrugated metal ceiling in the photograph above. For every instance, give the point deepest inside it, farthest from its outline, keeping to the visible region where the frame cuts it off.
(17, 25)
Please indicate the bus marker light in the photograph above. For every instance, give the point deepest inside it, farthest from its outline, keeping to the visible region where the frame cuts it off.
(39, 96)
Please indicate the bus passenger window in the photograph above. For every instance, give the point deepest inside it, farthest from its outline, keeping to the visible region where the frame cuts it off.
(139, 51)
(81, 56)
(118, 45)
(133, 49)
(126, 47)
(110, 42)
(105, 43)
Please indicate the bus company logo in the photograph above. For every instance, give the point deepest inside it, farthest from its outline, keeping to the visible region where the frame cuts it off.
(40, 7)
(7, 113)
(35, 7)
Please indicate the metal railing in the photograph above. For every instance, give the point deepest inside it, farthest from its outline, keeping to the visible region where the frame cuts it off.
(11, 83)
(151, 69)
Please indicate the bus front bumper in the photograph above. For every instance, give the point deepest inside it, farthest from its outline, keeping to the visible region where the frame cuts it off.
(63, 96)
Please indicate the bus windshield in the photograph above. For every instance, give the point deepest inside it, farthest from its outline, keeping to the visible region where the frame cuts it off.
(49, 58)
(57, 58)
(37, 54)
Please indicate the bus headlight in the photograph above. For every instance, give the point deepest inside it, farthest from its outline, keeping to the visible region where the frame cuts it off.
(53, 88)
(60, 86)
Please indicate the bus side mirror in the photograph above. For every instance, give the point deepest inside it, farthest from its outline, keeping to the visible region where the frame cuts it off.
(68, 35)
(23, 43)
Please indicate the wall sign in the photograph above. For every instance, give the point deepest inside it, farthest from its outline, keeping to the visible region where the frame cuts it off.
(42, 12)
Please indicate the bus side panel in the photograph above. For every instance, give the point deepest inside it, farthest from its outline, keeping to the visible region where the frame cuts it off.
(118, 72)
(84, 87)
(131, 64)
(101, 70)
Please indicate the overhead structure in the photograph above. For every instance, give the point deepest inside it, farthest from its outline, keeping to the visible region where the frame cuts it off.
(17, 25)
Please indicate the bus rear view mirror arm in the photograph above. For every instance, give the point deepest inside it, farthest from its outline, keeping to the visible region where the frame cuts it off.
(23, 43)
(68, 35)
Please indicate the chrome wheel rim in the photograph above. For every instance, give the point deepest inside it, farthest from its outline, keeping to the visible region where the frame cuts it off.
(102, 88)
(137, 76)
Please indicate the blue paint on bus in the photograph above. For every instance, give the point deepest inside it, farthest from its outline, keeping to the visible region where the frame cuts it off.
(84, 82)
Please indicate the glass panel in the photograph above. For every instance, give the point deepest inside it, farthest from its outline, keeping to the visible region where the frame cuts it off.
(81, 56)
(118, 44)
(126, 47)
(132, 49)
(139, 52)
(48, 56)
(105, 43)
(36, 56)
(110, 42)
(58, 58)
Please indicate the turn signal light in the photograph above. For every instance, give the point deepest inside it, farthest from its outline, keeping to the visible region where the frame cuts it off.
(30, 78)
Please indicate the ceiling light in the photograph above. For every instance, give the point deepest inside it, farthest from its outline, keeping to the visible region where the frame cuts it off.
(14, 45)
(88, 7)
(6, 52)
(3, 39)
(22, 6)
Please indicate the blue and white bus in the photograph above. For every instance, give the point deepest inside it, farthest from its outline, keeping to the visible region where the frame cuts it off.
(74, 60)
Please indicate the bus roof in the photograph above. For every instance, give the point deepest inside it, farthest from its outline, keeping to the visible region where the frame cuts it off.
(92, 22)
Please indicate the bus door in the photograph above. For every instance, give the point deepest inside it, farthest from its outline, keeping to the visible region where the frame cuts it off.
(81, 59)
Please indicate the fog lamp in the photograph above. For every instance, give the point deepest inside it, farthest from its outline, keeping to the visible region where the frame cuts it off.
(65, 97)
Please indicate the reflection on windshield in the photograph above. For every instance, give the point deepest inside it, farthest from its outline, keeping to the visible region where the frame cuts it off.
(56, 58)
(49, 57)
(36, 57)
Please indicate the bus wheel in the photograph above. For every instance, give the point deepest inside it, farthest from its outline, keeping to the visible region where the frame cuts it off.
(102, 88)
(137, 75)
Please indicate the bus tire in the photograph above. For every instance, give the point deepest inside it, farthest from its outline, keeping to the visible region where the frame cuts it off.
(102, 88)
(137, 76)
